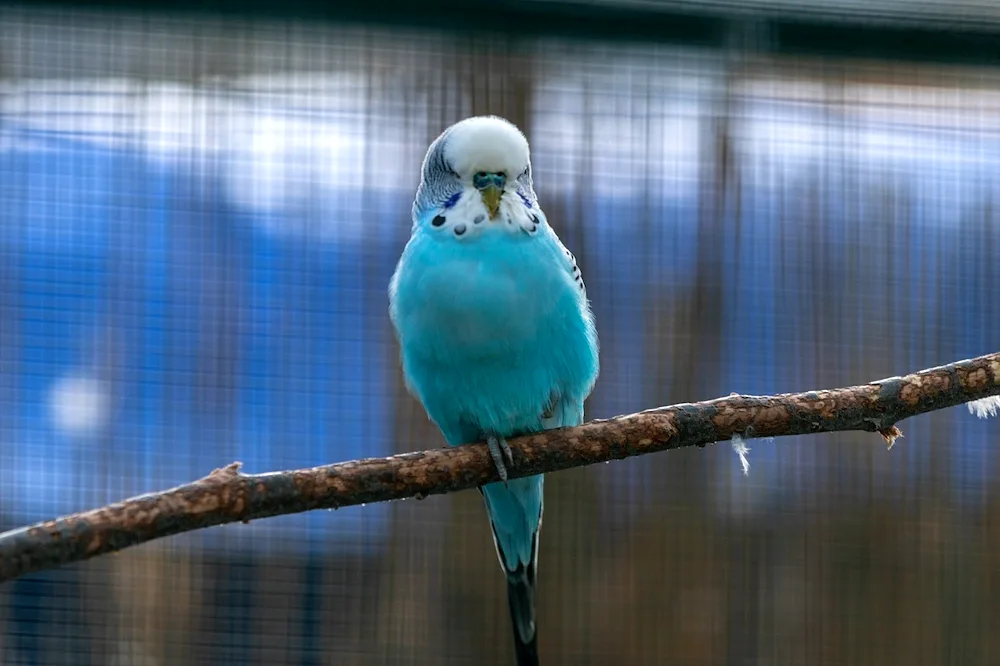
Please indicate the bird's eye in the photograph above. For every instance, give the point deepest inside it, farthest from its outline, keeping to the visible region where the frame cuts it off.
(526, 170)
(480, 175)
(502, 174)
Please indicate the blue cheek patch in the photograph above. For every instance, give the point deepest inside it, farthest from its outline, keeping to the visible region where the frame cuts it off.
(526, 200)
(452, 200)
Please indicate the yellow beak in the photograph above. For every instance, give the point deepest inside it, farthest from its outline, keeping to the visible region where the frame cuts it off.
(491, 197)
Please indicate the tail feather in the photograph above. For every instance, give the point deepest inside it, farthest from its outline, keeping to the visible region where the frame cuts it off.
(520, 592)
(521, 600)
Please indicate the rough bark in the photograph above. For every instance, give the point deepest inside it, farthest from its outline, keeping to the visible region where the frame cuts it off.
(227, 495)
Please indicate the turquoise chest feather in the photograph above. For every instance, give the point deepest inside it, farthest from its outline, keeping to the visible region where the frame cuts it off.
(491, 328)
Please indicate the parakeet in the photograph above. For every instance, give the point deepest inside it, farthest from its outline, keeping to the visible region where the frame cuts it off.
(497, 336)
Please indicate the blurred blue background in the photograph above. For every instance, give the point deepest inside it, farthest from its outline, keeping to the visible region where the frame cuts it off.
(198, 221)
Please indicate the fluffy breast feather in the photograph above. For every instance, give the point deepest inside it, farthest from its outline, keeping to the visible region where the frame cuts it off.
(492, 328)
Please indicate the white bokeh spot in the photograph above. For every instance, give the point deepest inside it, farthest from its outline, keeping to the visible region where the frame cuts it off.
(78, 404)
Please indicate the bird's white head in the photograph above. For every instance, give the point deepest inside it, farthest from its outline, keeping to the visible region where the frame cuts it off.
(479, 168)
(486, 144)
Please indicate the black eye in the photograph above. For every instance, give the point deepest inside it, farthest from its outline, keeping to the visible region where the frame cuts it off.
(480, 174)
(526, 170)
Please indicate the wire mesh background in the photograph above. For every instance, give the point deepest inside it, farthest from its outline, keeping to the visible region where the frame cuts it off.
(198, 221)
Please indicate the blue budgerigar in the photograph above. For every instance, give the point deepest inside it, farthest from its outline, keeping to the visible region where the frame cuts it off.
(496, 332)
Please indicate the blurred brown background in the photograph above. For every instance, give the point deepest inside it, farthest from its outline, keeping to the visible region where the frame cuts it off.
(199, 215)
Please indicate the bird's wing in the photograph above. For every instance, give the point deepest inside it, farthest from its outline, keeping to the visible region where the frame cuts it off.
(568, 261)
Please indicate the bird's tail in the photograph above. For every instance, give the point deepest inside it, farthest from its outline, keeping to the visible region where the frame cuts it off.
(516, 538)
(521, 599)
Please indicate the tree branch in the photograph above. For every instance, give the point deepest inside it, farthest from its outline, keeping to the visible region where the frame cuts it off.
(227, 495)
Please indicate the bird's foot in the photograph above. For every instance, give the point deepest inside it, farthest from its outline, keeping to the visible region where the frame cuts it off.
(500, 449)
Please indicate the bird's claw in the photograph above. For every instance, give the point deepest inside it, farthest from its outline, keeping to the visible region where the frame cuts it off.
(505, 447)
(500, 449)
